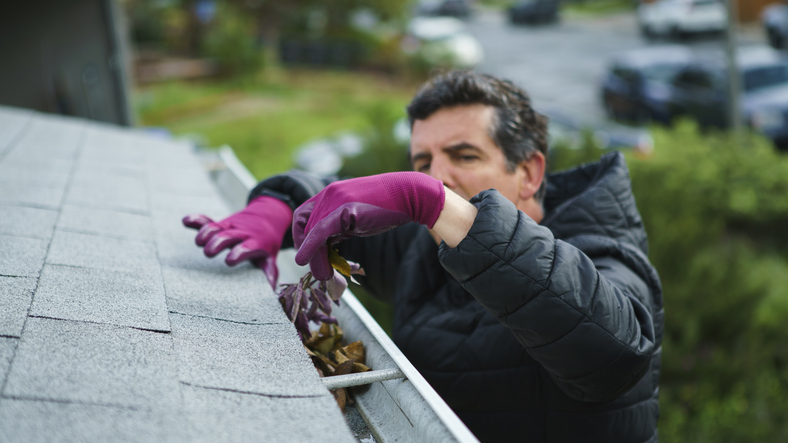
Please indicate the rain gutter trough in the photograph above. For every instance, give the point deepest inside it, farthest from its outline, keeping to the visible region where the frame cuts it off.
(396, 402)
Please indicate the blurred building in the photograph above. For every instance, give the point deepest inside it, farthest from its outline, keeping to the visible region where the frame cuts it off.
(65, 57)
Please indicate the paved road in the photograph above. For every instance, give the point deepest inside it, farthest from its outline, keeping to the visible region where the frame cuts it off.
(561, 66)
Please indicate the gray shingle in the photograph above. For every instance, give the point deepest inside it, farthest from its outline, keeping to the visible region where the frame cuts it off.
(12, 122)
(47, 422)
(96, 364)
(27, 222)
(91, 251)
(16, 293)
(108, 192)
(86, 167)
(181, 181)
(101, 296)
(243, 296)
(209, 204)
(31, 195)
(22, 257)
(7, 348)
(261, 359)
(175, 244)
(228, 416)
(106, 223)
(11, 173)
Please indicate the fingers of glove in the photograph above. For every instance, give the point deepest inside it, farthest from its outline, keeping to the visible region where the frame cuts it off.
(349, 220)
(319, 264)
(300, 220)
(196, 221)
(249, 249)
(221, 241)
(268, 265)
(206, 233)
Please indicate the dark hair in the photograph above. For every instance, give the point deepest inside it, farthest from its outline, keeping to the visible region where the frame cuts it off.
(518, 130)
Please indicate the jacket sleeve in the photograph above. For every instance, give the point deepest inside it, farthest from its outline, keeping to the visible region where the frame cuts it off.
(380, 256)
(587, 322)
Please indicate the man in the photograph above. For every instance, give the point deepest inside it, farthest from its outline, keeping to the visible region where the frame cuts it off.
(528, 304)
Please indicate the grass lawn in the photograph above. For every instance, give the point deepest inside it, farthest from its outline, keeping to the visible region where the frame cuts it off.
(267, 119)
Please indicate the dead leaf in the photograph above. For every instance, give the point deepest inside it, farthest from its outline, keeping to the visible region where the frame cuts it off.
(358, 367)
(341, 396)
(354, 351)
(338, 263)
(344, 368)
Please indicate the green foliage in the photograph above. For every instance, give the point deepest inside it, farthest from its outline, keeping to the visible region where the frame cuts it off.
(715, 211)
(382, 152)
(565, 154)
(230, 41)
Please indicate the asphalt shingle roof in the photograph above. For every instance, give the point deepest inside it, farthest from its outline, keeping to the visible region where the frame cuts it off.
(113, 325)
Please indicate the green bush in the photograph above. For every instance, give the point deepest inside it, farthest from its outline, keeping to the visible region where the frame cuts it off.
(715, 208)
(382, 151)
(715, 211)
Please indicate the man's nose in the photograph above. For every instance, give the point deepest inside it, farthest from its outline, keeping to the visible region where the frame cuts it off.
(440, 170)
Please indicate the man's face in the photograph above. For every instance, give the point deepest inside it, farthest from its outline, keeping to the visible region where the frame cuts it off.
(454, 145)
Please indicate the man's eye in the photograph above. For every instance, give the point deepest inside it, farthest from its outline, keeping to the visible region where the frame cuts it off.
(468, 158)
(423, 168)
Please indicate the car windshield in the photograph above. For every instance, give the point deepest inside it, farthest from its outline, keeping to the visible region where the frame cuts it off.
(765, 77)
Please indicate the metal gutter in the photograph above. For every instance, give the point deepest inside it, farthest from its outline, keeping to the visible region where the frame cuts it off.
(396, 409)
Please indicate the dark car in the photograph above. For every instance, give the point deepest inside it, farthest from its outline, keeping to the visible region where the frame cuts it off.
(534, 11)
(774, 19)
(637, 82)
(700, 91)
(453, 8)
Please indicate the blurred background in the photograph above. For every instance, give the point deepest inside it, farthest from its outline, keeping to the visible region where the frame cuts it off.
(694, 92)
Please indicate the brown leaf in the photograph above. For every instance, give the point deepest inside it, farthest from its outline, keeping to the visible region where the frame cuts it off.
(354, 351)
(358, 367)
(341, 396)
(344, 368)
(322, 365)
(339, 357)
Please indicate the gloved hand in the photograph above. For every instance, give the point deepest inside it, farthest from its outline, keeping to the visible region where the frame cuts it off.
(255, 234)
(362, 207)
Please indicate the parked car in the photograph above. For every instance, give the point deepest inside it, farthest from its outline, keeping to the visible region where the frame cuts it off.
(636, 83)
(534, 11)
(700, 90)
(774, 19)
(444, 41)
(453, 8)
(677, 18)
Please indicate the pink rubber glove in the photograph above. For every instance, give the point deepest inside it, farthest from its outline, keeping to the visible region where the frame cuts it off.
(362, 207)
(255, 234)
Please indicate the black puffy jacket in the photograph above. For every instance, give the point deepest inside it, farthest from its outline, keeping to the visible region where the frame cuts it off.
(532, 332)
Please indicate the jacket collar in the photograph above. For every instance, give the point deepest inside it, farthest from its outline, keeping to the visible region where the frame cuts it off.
(594, 199)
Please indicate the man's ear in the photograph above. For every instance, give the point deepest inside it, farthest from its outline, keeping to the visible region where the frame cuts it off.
(534, 171)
